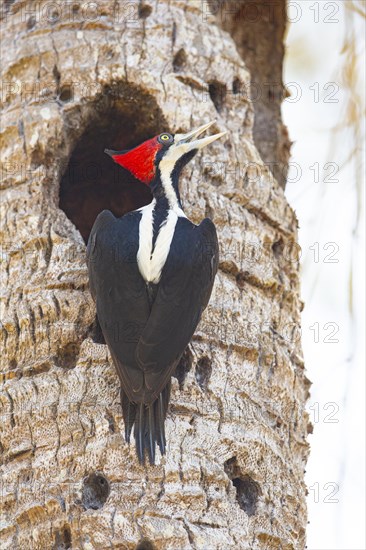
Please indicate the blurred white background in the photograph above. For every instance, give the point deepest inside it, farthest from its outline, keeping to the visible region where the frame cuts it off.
(325, 73)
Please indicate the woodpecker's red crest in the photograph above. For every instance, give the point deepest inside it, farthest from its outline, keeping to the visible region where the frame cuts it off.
(141, 160)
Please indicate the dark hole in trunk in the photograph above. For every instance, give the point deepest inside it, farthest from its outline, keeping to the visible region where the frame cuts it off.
(248, 491)
(95, 491)
(121, 118)
(145, 544)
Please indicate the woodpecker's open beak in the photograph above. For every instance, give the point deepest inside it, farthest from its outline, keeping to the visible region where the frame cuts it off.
(190, 142)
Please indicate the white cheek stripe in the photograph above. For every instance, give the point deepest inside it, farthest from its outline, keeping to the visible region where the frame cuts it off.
(166, 168)
(151, 263)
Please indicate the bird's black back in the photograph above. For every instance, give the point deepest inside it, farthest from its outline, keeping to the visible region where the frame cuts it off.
(148, 326)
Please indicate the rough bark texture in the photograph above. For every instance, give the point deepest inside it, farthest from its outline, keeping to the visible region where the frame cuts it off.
(75, 82)
(258, 29)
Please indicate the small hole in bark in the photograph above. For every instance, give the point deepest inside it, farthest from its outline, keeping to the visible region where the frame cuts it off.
(203, 372)
(66, 94)
(31, 22)
(247, 490)
(95, 491)
(111, 422)
(278, 247)
(144, 11)
(236, 85)
(241, 278)
(56, 74)
(67, 355)
(179, 60)
(120, 118)
(217, 91)
(183, 367)
(145, 544)
(247, 493)
(63, 539)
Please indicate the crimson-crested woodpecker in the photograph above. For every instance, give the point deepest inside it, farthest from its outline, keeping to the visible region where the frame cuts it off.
(151, 275)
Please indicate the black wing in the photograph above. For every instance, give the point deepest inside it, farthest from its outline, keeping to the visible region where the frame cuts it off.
(184, 291)
(119, 292)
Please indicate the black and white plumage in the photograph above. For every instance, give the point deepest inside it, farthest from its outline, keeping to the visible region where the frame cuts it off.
(151, 275)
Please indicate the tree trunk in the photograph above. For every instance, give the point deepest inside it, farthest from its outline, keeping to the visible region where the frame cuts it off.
(79, 77)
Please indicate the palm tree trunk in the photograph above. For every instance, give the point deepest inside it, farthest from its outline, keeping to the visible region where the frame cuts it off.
(77, 78)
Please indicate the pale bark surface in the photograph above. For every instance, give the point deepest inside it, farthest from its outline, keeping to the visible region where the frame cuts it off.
(233, 476)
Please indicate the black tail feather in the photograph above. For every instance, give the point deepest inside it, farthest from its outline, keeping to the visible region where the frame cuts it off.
(140, 432)
(150, 434)
(148, 421)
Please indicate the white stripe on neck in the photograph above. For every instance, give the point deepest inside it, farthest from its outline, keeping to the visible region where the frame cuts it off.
(151, 262)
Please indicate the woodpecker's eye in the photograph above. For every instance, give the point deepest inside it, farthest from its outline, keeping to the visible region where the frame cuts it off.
(166, 139)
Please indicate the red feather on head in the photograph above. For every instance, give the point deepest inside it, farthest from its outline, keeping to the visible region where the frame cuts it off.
(140, 161)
